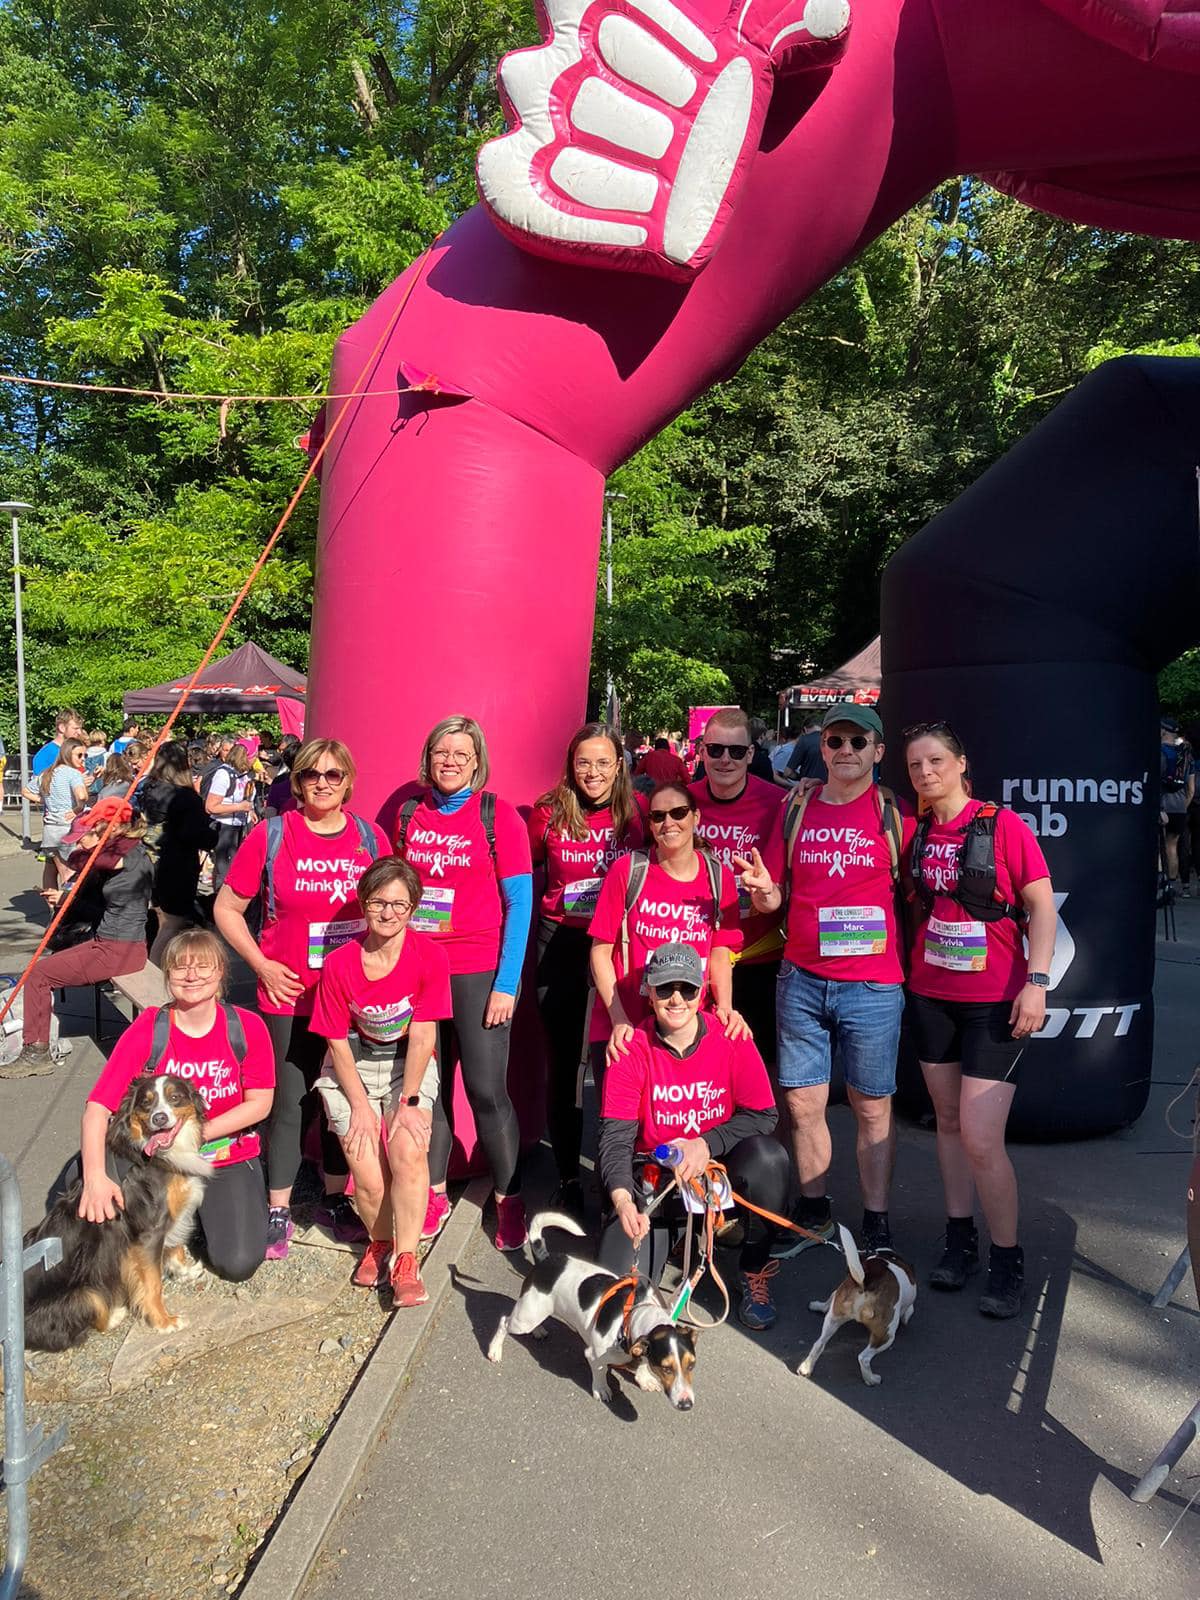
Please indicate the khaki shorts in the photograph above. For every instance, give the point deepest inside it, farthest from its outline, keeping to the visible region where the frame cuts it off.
(383, 1080)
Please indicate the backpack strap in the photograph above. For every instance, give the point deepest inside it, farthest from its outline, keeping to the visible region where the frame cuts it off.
(274, 845)
(366, 836)
(714, 884)
(639, 867)
(892, 824)
(235, 1031)
(159, 1039)
(487, 815)
(793, 817)
(407, 812)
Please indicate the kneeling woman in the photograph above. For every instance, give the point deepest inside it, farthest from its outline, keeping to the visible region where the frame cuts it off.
(974, 998)
(226, 1054)
(379, 1003)
(683, 1081)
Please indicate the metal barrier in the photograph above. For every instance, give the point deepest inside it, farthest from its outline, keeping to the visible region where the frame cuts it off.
(25, 1448)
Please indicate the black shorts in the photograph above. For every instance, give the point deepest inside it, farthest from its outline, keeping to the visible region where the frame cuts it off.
(754, 996)
(975, 1034)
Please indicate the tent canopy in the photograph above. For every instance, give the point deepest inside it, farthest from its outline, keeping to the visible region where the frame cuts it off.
(857, 680)
(247, 680)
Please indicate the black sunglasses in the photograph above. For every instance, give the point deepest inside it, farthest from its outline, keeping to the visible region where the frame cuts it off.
(676, 814)
(919, 729)
(856, 741)
(685, 991)
(735, 752)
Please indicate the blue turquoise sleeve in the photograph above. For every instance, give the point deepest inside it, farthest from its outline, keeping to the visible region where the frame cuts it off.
(517, 892)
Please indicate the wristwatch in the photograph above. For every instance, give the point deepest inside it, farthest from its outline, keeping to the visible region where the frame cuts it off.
(411, 1100)
(1040, 979)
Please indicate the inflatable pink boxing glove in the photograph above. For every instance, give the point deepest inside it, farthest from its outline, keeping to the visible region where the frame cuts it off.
(634, 124)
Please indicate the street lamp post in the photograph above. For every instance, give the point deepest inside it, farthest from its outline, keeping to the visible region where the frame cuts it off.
(16, 510)
(609, 497)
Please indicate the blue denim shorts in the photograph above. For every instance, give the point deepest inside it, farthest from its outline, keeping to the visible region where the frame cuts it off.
(817, 1016)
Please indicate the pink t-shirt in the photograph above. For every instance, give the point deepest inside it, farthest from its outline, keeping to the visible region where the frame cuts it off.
(417, 989)
(841, 920)
(734, 828)
(682, 1097)
(315, 877)
(667, 912)
(575, 868)
(208, 1064)
(954, 957)
(461, 905)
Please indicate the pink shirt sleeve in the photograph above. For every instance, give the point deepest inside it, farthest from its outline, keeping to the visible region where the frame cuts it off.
(433, 1001)
(610, 907)
(382, 842)
(624, 1080)
(728, 932)
(246, 869)
(130, 1056)
(751, 1084)
(331, 1008)
(258, 1069)
(512, 842)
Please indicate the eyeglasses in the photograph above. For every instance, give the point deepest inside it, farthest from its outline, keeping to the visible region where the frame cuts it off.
(601, 768)
(193, 969)
(388, 908)
(452, 758)
(919, 729)
(676, 814)
(315, 775)
(856, 741)
(685, 991)
(735, 752)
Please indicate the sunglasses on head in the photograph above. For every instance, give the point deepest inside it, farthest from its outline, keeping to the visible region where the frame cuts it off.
(685, 991)
(676, 814)
(314, 775)
(919, 729)
(856, 741)
(735, 752)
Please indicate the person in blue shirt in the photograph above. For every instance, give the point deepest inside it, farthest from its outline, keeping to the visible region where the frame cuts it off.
(67, 725)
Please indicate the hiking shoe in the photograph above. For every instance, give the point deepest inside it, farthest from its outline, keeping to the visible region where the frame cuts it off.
(794, 1244)
(279, 1231)
(731, 1234)
(960, 1260)
(1005, 1286)
(436, 1213)
(34, 1061)
(757, 1309)
(336, 1213)
(511, 1233)
(568, 1197)
(876, 1239)
(407, 1288)
(372, 1270)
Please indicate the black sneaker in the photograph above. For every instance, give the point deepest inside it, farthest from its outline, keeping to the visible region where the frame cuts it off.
(568, 1197)
(336, 1213)
(960, 1261)
(1005, 1287)
(876, 1239)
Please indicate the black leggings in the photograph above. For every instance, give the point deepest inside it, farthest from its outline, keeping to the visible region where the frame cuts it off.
(758, 1167)
(563, 993)
(298, 1057)
(229, 837)
(233, 1219)
(484, 1056)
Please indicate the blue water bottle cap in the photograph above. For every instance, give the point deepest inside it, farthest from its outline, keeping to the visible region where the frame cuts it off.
(666, 1154)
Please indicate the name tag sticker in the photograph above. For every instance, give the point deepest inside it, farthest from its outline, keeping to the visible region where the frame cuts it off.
(579, 898)
(433, 915)
(385, 1023)
(326, 937)
(956, 946)
(852, 931)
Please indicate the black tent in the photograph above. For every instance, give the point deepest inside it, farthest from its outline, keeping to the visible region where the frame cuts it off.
(247, 681)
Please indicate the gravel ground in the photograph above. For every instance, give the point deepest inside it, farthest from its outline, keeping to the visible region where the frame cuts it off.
(182, 1449)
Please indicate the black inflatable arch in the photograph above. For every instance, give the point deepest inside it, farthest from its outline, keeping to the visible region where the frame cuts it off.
(1033, 615)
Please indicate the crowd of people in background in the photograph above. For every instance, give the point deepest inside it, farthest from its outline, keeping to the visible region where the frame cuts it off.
(711, 929)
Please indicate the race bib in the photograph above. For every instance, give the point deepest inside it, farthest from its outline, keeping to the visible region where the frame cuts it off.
(851, 931)
(434, 912)
(326, 937)
(579, 898)
(385, 1023)
(745, 904)
(956, 946)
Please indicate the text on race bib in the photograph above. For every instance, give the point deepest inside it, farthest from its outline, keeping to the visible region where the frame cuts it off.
(579, 898)
(435, 912)
(326, 937)
(851, 931)
(382, 1024)
(956, 946)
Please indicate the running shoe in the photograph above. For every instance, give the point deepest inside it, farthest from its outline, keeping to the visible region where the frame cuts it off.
(757, 1310)
(511, 1233)
(336, 1212)
(279, 1231)
(407, 1288)
(794, 1244)
(372, 1270)
(436, 1213)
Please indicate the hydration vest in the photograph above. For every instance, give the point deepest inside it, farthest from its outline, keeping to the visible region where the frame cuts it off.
(976, 891)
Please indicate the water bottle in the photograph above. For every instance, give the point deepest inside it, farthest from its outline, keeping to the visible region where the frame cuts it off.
(668, 1155)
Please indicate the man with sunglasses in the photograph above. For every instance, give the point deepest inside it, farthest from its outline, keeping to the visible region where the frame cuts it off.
(840, 982)
(738, 814)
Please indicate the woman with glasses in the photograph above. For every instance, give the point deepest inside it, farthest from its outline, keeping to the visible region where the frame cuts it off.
(379, 1002)
(678, 893)
(981, 889)
(306, 866)
(576, 832)
(225, 1053)
(471, 850)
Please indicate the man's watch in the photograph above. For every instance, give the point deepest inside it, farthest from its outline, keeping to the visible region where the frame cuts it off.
(411, 1100)
(1040, 979)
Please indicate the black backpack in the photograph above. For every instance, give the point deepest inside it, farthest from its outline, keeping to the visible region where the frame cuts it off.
(976, 890)
(161, 1037)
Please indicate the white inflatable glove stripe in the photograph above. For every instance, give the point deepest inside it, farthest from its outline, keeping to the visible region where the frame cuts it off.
(680, 28)
(640, 59)
(618, 118)
(603, 184)
(708, 160)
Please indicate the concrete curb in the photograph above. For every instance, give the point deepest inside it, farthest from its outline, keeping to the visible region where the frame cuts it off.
(297, 1539)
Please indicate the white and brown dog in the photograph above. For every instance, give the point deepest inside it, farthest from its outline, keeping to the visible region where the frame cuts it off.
(880, 1292)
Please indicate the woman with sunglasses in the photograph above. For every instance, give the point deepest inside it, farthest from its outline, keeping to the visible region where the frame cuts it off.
(306, 866)
(379, 1003)
(975, 999)
(471, 850)
(64, 791)
(576, 832)
(686, 1083)
(684, 896)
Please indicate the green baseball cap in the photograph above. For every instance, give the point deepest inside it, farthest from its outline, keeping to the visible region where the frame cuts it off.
(860, 716)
